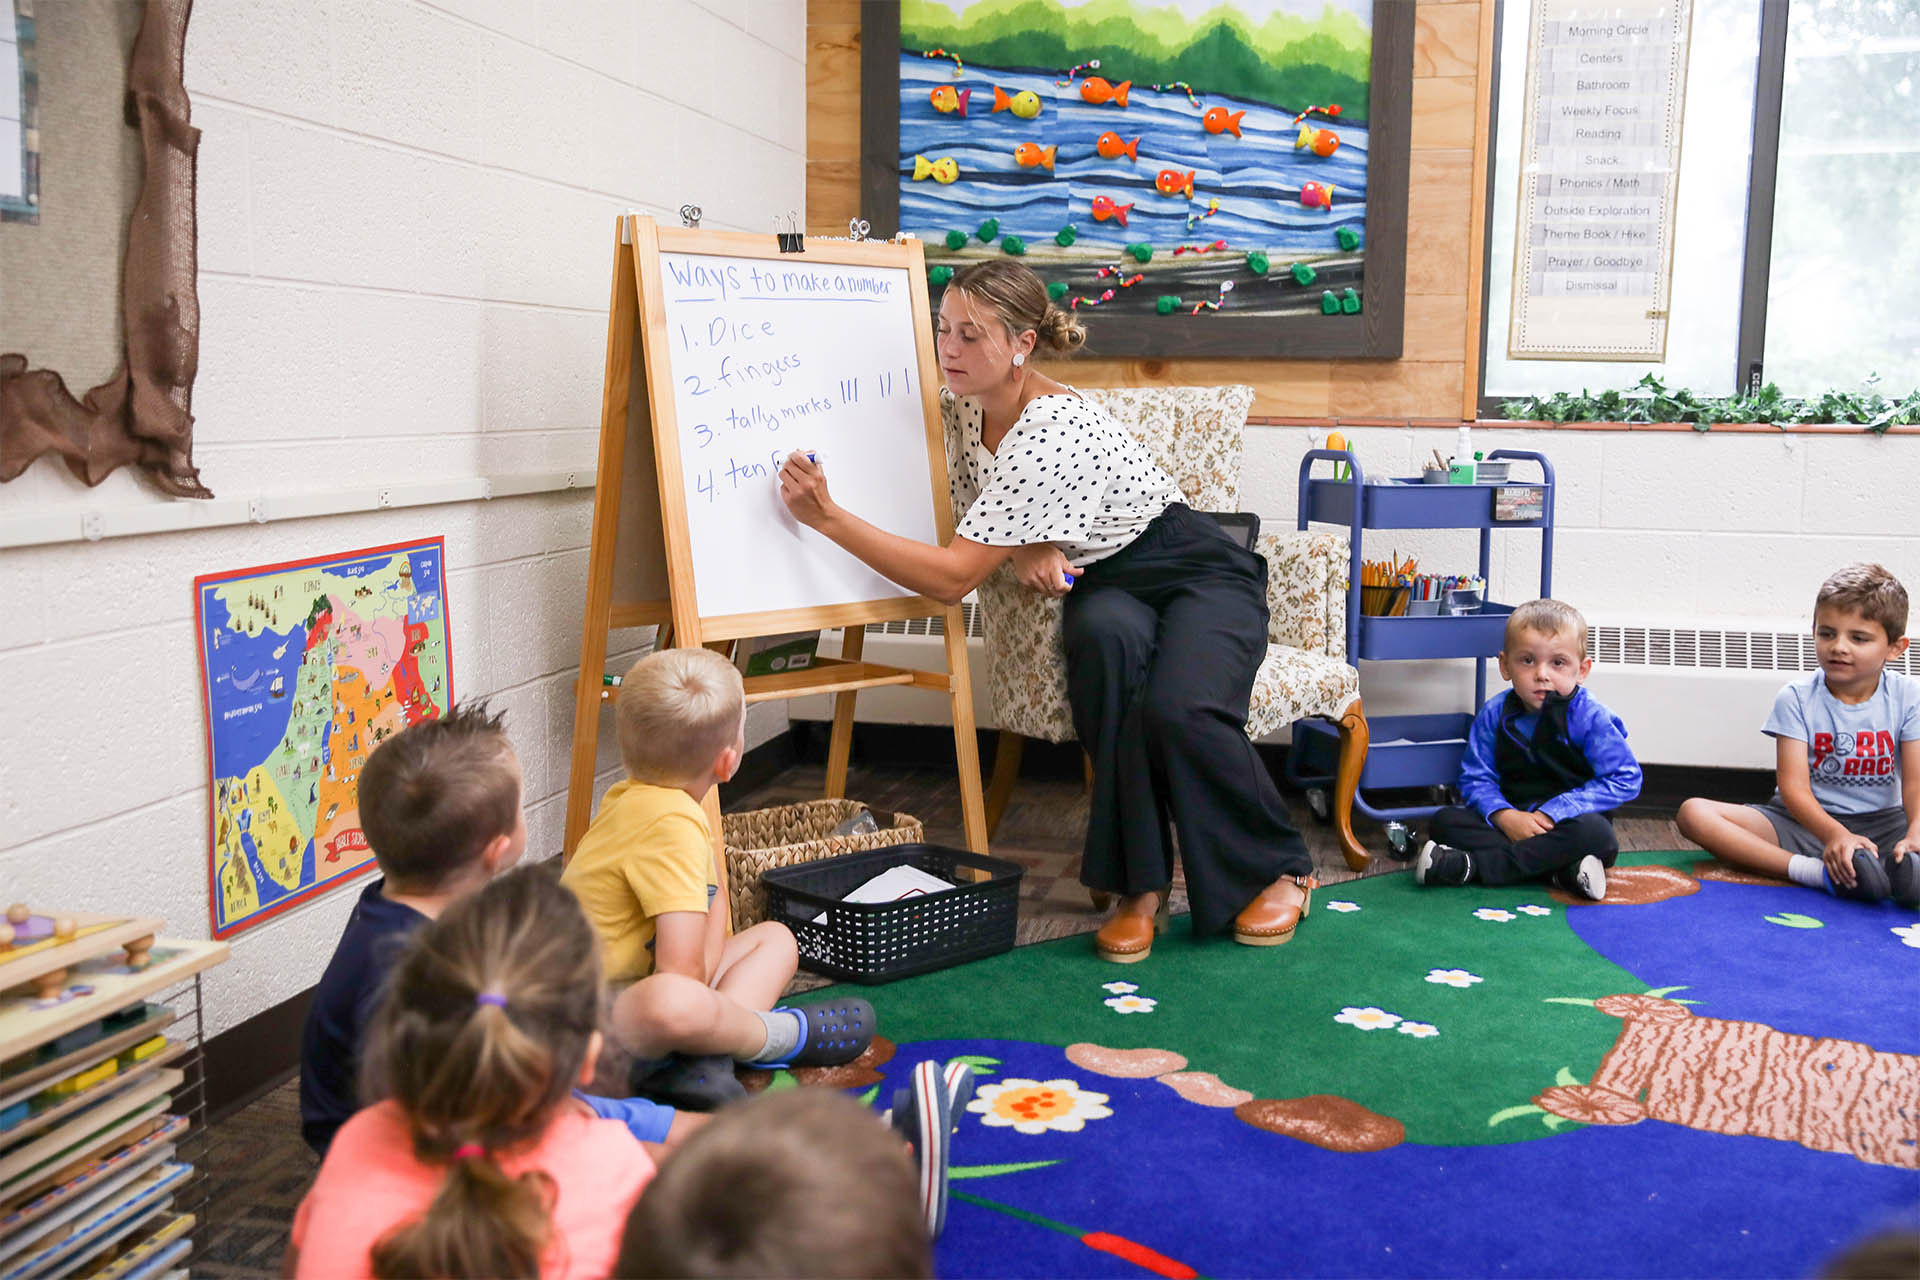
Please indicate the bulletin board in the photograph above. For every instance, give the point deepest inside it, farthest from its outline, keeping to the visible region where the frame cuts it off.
(1226, 183)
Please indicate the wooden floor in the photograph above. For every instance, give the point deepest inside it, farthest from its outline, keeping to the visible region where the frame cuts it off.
(1046, 820)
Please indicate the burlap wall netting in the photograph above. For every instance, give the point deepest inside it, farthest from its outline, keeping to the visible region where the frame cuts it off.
(98, 175)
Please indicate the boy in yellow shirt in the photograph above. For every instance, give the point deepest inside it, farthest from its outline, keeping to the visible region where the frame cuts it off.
(645, 873)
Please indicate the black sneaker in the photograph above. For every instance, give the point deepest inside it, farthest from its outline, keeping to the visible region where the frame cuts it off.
(1442, 864)
(1903, 879)
(1869, 880)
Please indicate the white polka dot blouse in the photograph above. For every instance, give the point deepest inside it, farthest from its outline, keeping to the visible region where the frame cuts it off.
(1066, 474)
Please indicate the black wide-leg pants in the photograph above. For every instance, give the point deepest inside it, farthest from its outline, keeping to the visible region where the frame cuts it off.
(1163, 640)
(1498, 860)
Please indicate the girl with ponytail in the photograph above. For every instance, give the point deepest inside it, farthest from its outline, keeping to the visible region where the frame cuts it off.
(479, 1162)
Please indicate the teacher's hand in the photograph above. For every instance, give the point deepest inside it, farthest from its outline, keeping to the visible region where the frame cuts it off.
(803, 487)
(1041, 568)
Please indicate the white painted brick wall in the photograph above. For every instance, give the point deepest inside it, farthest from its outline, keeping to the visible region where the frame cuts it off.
(405, 215)
(1656, 526)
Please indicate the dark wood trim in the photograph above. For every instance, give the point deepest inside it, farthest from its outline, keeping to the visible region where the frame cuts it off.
(880, 115)
(254, 1057)
(1376, 333)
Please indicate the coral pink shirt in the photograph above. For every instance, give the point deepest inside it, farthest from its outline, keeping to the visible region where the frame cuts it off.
(370, 1182)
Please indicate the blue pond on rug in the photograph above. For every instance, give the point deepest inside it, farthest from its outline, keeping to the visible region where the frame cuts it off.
(1700, 1077)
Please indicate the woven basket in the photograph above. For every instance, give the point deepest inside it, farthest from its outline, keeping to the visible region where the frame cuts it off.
(794, 833)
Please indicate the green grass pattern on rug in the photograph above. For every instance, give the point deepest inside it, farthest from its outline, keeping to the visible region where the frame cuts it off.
(1265, 1019)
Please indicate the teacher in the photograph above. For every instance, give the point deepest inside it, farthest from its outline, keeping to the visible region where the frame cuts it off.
(1165, 618)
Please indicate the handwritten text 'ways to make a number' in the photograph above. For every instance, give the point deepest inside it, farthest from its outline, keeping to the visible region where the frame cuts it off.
(723, 282)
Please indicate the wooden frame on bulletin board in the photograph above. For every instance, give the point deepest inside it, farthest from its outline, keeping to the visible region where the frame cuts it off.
(1137, 330)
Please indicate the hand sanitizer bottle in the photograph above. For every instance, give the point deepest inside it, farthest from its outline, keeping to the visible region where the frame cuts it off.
(1462, 470)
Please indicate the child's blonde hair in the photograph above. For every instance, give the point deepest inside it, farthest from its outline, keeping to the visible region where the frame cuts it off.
(1870, 591)
(1549, 618)
(678, 709)
(483, 1032)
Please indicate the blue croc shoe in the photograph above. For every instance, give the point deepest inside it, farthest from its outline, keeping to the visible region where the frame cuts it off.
(832, 1032)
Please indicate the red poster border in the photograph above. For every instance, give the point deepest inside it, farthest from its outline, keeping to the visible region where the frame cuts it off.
(200, 583)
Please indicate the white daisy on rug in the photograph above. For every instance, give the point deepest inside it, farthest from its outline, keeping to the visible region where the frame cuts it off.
(1452, 977)
(1418, 1030)
(1132, 1004)
(1493, 913)
(1036, 1106)
(1535, 909)
(1343, 906)
(1908, 933)
(1118, 988)
(1367, 1019)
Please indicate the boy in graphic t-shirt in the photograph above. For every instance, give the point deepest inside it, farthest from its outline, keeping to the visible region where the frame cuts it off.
(1846, 814)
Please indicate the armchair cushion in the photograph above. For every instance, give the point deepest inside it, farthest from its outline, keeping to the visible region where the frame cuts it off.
(1306, 591)
(1193, 432)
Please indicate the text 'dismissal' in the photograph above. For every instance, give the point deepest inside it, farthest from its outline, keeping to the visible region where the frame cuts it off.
(1599, 176)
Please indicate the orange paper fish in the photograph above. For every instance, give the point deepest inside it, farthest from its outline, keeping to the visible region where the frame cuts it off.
(947, 99)
(1111, 147)
(1172, 182)
(1103, 209)
(1324, 142)
(1030, 154)
(1220, 120)
(1315, 196)
(1097, 91)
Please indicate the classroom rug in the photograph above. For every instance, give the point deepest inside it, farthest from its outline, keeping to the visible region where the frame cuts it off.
(1706, 1075)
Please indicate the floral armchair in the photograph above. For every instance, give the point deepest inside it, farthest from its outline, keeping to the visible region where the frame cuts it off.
(1195, 433)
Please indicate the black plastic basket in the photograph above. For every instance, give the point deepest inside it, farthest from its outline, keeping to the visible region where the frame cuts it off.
(880, 941)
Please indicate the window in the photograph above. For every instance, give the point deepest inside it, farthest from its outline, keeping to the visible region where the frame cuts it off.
(1794, 261)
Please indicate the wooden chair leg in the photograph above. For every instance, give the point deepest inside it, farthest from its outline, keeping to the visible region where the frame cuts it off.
(1354, 740)
(1086, 765)
(1006, 774)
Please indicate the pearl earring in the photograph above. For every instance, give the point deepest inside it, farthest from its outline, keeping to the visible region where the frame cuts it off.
(1019, 358)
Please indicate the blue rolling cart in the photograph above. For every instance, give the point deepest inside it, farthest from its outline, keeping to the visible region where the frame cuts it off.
(1413, 750)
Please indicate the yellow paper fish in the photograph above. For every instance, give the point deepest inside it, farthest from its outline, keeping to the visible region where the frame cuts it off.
(1025, 104)
(943, 170)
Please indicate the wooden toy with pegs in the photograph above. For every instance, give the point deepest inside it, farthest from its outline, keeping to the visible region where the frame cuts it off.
(38, 950)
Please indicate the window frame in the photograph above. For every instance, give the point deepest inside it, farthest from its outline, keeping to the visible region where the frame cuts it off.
(1748, 373)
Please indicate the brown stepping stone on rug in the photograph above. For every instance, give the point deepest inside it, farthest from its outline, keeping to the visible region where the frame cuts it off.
(1325, 1120)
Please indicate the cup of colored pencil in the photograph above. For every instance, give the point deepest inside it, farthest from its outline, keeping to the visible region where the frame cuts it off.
(1384, 587)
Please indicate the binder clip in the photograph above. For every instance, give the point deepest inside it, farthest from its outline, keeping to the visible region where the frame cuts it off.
(857, 229)
(690, 216)
(785, 230)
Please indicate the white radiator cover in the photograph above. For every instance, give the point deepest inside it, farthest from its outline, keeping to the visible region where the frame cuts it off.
(1689, 695)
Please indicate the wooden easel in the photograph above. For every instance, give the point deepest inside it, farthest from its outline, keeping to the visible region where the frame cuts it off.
(641, 565)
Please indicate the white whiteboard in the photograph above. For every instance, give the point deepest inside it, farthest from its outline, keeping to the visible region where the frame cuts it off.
(769, 356)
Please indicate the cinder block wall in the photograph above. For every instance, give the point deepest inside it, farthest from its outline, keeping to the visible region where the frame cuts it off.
(406, 215)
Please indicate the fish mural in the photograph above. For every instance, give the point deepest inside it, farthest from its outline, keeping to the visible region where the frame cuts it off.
(947, 100)
(1110, 146)
(1029, 155)
(1098, 92)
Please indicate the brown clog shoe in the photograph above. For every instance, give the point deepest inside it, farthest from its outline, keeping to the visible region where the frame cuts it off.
(1271, 918)
(1127, 937)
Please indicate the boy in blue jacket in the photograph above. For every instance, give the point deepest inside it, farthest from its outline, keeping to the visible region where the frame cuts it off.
(1545, 763)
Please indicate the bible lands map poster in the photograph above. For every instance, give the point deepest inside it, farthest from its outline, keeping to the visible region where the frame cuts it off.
(305, 667)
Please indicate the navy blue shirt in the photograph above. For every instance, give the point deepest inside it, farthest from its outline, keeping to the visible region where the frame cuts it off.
(343, 1004)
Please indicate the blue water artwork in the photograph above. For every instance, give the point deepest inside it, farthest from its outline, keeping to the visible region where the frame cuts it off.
(1257, 177)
